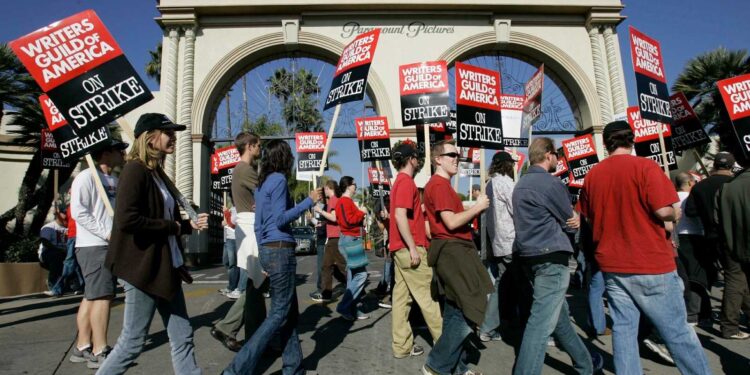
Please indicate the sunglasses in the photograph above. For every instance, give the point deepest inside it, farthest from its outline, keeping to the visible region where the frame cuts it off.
(451, 155)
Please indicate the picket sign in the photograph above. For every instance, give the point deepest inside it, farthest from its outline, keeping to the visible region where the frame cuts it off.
(328, 145)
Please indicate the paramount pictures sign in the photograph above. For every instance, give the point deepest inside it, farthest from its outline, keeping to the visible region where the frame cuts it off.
(410, 30)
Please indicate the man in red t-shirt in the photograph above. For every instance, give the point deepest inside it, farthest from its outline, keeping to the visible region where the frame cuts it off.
(627, 199)
(407, 243)
(455, 261)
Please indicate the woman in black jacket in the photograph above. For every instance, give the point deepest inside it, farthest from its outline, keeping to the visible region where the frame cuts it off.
(145, 250)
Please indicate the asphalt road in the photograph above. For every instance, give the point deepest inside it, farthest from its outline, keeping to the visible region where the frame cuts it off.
(37, 332)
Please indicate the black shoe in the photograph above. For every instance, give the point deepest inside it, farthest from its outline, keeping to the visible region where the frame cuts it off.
(229, 342)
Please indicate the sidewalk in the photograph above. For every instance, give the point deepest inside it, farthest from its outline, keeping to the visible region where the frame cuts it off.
(36, 334)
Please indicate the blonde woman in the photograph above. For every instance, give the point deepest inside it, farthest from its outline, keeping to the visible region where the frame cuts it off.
(145, 252)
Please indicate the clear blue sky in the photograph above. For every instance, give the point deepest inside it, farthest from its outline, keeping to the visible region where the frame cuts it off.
(684, 28)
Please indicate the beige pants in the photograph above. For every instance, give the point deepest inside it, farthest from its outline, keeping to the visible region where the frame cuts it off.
(412, 284)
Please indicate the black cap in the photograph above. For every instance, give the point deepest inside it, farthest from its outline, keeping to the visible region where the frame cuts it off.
(404, 150)
(153, 121)
(502, 156)
(116, 144)
(723, 160)
(614, 127)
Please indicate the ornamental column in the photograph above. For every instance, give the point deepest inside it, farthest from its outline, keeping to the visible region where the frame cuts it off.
(169, 87)
(616, 79)
(600, 76)
(184, 169)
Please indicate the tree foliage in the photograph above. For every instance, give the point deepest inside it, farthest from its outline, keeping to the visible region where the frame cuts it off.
(698, 82)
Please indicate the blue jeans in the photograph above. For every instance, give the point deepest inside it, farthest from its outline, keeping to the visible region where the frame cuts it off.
(70, 267)
(496, 268)
(597, 318)
(550, 316)
(281, 265)
(139, 311)
(448, 356)
(355, 283)
(230, 262)
(660, 298)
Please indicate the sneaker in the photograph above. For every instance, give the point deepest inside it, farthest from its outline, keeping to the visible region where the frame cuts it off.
(382, 303)
(319, 297)
(362, 316)
(48, 293)
(739, 336)
(224, 291)
(491, 336)
(658, 348)
(234, 294)
(98, 359)
(551, 342)
(472, 372)
(80, 356)
(416, 350)
(597, 361)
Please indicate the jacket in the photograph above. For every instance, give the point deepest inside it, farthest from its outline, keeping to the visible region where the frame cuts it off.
(275, 210)
(139, 248)
(541, 206)
(461, 276)
(734, 215)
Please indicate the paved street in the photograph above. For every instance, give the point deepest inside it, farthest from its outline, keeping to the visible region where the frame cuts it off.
(36, 334)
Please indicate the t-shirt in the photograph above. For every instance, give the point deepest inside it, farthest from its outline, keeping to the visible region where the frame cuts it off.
(230, 216)
(332, 229)
(688, 224)
(55, 234)
(619, 198)
(244, 182)
(404, 194)
(71, 224)
(439, 196)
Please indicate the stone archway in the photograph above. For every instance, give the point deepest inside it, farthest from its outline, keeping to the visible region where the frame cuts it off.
(247, 55)
(208, 43)
(566, 70)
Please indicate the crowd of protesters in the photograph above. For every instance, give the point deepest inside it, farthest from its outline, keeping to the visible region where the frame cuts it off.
(652, 247)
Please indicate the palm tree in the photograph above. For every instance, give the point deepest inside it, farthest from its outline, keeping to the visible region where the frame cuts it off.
(16, 84)
(153, 67)
(698, 82)
(262, 126)
(296, 91)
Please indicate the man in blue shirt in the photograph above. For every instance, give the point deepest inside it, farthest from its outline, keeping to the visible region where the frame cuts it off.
(542, 214)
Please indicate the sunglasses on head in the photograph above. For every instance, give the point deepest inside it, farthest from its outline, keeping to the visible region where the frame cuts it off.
(451, 155)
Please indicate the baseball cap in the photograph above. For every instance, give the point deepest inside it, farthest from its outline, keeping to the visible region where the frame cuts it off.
(501, 156)
(153, 121)
(116, 144)
(614, 127)
(404, 150)
(723, 160)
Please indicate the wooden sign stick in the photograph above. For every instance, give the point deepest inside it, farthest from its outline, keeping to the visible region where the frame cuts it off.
(328, 144)
(664, 163)
(514, 153)
(427, 160)
(482, 172)
(700, 162)
(99, 186)
(55, 189)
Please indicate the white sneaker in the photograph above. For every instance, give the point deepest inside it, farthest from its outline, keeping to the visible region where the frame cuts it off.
(660, 350)
(234, 294)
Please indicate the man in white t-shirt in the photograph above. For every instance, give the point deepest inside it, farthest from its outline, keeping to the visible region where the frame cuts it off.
(94, 225)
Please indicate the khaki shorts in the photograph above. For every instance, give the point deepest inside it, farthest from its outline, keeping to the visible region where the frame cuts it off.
(100, 284)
